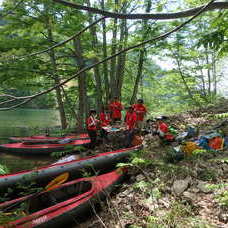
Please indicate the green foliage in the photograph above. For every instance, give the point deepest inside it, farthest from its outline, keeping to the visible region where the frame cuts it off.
(134, 226)
(136, 161)
(216, 186)
(4, 169)
(177, 216)
(22, 188)
(151, 189)
(208, 174)
(142, 185)
(218, 116)
(199, 152)
(223, 198)
(163, 90)
(139, 161)
(5, 218)
(87, 174)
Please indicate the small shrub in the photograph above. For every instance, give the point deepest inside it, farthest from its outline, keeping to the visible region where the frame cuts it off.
(207, 174)
(223, 198)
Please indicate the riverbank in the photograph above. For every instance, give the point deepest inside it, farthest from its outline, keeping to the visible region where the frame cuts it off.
(159, 194)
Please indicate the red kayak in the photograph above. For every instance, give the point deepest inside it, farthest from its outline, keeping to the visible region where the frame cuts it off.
(67, 202)
(102, 161)
(38, 138)
(42, 148)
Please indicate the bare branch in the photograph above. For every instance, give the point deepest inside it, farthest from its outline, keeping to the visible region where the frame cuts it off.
(163, 36)
(17, 105)
(8, 101)
(158, 16)
(8, 95)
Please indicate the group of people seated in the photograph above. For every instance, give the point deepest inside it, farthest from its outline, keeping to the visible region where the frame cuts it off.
(133, 121)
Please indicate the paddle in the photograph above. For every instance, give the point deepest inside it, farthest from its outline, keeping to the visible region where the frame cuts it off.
(57, 181)
(51, 185)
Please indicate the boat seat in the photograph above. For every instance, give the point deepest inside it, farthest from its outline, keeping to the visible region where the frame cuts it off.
(58, 195)
(52, 200)
(70, 190)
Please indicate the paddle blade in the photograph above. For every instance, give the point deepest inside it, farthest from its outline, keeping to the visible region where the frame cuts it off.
(57, 181)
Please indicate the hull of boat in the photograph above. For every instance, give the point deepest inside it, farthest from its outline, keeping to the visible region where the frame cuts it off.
(102, 161)
(72, 208)
(39, 138)
(31, 148)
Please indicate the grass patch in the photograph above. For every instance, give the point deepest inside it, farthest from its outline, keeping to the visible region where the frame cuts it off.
(177, 216)
(222, 198)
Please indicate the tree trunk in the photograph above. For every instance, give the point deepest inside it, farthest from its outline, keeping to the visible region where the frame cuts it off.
(82, 85)
(98, 86)
(139, 75)
(185, 82)
(55, 76)
(121, 58)
(208, 72)
(204, 90)
(214, 73)
(141, 56)
(113, 60)
(96, 69)
(105, 64)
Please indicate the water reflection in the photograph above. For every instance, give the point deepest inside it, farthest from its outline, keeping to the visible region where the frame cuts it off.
(25, 122)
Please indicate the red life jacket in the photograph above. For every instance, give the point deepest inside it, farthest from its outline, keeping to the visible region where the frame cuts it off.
(105, 119)
(131, 119)
(163, 127)
(164, 131)
(91, 123)
(140, 110)
(116, 108)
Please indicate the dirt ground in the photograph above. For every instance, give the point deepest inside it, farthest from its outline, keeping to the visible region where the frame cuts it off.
(190, 193)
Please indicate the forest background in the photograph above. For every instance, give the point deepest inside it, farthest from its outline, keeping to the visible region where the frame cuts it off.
(185, 70)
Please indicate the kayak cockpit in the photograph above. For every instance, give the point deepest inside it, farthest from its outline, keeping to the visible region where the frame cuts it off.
(50, 198)
(47, 199)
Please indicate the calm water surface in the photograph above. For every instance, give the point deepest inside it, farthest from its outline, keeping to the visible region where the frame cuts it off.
(25, 122)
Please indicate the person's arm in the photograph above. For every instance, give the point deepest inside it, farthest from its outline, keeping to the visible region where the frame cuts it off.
(119, 106)
(145, 110)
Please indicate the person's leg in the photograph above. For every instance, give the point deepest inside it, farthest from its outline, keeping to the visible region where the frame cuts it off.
(104, 135)
(93, 138)
(129, 138)
(139, 124)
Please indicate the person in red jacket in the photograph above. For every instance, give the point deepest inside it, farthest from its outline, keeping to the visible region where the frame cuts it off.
(163, 130)
(91, 124)
(130, 121)
(141, 110)
(105, 120)
(115, 107)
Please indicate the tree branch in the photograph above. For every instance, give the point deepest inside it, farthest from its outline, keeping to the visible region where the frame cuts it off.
(56, 45)
(158, 16)
(163, 36)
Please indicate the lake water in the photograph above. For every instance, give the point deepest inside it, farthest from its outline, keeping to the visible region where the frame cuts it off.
(25, 122)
